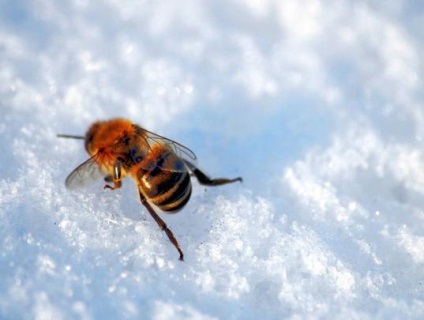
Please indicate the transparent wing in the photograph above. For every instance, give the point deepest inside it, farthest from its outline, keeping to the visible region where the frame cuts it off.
(180, 150)
(175, 160)
(85, 174)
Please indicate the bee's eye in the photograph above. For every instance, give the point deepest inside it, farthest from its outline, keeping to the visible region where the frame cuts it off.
(134, 157)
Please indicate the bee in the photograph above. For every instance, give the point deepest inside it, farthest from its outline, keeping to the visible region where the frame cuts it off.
(160, 168)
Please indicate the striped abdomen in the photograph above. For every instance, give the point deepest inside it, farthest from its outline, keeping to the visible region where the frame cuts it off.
(167, 189)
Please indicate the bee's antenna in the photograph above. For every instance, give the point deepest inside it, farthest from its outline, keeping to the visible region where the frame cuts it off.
(69, 136)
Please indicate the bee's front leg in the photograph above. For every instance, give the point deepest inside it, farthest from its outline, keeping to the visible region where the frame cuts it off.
(115, 177)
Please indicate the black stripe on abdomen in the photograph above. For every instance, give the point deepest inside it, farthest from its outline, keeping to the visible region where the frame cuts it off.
(179, 203)
(157, 186)
(178, 192)
(175, 198)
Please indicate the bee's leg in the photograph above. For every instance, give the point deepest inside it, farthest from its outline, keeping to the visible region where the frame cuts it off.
(205, 180)
(115, 177)
(162, 225)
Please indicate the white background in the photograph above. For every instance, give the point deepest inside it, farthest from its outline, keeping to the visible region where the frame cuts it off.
(318, 105)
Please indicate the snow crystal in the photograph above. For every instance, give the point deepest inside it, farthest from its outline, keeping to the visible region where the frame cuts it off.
(318, 106)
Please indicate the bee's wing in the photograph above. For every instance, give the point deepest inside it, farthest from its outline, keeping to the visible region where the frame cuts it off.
(182, 152)
(83, 175)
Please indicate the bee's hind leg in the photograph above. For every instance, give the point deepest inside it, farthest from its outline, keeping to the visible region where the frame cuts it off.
(205, 180)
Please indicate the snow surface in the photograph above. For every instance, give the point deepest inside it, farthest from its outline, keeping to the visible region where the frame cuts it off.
(317, 104)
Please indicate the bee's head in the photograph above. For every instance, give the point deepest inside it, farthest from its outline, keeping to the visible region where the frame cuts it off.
(107, 134)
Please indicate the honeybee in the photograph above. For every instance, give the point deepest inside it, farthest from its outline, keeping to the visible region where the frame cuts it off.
(159, 167)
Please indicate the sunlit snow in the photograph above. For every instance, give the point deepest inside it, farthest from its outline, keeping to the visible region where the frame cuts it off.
(318, 105)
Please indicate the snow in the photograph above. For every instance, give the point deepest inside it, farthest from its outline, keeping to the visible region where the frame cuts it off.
(317, 105)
